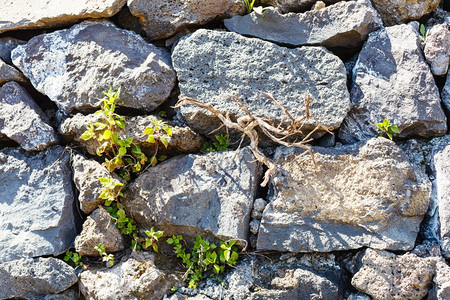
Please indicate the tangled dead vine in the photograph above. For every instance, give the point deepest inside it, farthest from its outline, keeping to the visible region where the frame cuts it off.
(279, 134)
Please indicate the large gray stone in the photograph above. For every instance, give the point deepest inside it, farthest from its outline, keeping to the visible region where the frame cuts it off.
(183, 139)
(163, 18)
(401, 11)
(85, 176)
(441, 282)
(73, 66)
(22, 120)
(363, 195)
(343, 25)
(9, 73)
(134, 278)
(446, 93)
(437, 49)
(384, 275)
(7, 44)
(208, 194)
(212, 64)
(294, 5)
(33, 277)
(392, 80)
(32, 14)
(36, 204)
(99, 228)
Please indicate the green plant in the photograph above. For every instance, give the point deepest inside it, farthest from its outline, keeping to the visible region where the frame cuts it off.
(386, 128)
(74, 259)
(108, 258)
(111, 189)
(204, 257)
(157, 133)
(221, 144)
(152, 240)
(249, 5)
(423, 34)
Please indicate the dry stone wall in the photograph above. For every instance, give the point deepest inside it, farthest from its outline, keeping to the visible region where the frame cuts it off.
(365, 217)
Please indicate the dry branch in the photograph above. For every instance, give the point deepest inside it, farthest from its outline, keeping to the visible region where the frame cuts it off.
(279, 134)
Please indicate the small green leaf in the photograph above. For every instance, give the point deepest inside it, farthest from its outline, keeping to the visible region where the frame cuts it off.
(170, 241)
(227, 254)
(149, 131)
(422, 29)
(389, 135)
(394, 129)
(122, 151)
(153, 161)
(168, 130)
(107, 134)
(151, 139)
(164, 141)
(120, 123)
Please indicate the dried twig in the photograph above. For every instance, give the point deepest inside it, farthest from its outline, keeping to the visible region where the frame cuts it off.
(279, 134)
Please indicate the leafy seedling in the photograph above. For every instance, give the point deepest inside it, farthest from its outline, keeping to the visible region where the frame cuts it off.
(386, 128)
(423, 34)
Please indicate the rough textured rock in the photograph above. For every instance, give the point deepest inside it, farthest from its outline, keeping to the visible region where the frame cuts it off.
(392, 80)
(366, 194)
(9, 73)
(135, 278)
(36, 204)
(437, 49)
(213, 64)
(197, 194)
(441, 283)
(401, 11)
(7, 44)
(385, 275)
(183, 139)
(33, 277)
(294, 5)
(73, 66)
(446, 93)
(163, 18)
(99, 228)
(34, 14)
(343, 25)
(22, 120)
(85, 176)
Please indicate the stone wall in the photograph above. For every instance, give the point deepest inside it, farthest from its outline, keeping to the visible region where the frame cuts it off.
(364, 217)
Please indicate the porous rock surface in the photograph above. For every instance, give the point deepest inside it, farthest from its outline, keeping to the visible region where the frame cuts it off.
(343, 25)
(441, 283)
(132, 278)
(211, 65)
(437, 49)
(22, 120)
(384, 275)
(446, 93)
(33, 278)
(99, 228)
(183, 139)
(366, 194)
(33, 14)
(74, 66)
(401, 11)
(392, 80)
(163, 18)
(286, 6)
(36, 204)
(85, 176)
(208, 194)
(9, 73)
(7, 44)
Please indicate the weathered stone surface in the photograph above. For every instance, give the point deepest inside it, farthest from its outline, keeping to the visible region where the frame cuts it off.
(163, 18)
(9, 73)
(343, 25)
(366, 194)
(401, 11)
(294, 5)
(85, 176)
(22, 120)
(441, 282)
(213, 64)
(183, 139)
(73, 66)
(437, 49)
(32, 277)
(7, 44)
(36, 204)
(385, 275)
(210, 194)
(392, 80)
(99, 228)
(446, 93)
(135, 278)
(35, 14)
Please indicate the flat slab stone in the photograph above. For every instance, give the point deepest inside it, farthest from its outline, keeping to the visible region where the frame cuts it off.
(213, 64)
(363, 195)
(36, 204)
(210, 194)
(437, 49)
(342, 25)
(392, 80)
(22, 120)
(163, 18)
(33, 14)
(74, 66)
